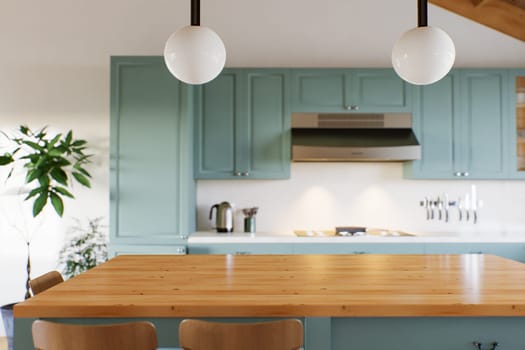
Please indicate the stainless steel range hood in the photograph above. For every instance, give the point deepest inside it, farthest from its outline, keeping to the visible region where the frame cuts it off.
(318, 137)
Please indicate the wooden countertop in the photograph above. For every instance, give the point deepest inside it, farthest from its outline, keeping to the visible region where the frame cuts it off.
(288, 285)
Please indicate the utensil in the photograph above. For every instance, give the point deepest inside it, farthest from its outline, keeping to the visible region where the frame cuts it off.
(460, 209)
(447, 206)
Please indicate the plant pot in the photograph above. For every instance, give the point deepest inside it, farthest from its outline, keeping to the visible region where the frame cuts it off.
(8, 318)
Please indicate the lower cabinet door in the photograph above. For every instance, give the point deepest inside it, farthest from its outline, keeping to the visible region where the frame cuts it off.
(428, 333)
(239, 249)
(129, 249)
(358, 248)
(514, 251)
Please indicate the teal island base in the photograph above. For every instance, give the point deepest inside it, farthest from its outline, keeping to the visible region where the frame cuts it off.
(378, 333)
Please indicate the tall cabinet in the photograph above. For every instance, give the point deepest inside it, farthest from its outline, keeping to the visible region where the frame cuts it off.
(152, 197)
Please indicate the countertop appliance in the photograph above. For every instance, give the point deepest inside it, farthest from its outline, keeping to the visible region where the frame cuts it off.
(331, 137)
(223, 217)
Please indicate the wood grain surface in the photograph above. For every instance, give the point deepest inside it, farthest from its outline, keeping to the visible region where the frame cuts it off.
(288, 285)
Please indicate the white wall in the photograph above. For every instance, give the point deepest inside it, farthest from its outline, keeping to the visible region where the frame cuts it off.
(324, 195)
(62, 97)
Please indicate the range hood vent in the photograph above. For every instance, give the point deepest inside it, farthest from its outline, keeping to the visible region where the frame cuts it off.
(353, 137)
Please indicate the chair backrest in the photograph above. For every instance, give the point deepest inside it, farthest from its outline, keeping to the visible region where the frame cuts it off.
(276, 335)
(61, 336)
(45, 281)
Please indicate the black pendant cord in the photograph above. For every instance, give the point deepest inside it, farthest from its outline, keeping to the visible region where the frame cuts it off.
(422, 13)
(195, 12)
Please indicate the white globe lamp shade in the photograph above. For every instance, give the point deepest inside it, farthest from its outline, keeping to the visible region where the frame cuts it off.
(195, 54)
(423, 55)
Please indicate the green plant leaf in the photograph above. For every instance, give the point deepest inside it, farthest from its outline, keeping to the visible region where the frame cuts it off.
(35, 191)
(33, 158)
(79, 143)
(61, 162)
(69, 138)
(39, 204)
(81, 170)
(57, 203)
(41, 133)
(6, 159)
(55, 152)
(52, 143)
(44, 181)
(82, 179)
(33, 174)
(59, 176)
(33, 145)
(63, 191)
(24, 129)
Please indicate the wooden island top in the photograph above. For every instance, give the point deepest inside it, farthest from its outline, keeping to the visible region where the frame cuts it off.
(288, 285)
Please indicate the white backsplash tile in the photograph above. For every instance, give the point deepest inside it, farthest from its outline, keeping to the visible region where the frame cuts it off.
(324, 195)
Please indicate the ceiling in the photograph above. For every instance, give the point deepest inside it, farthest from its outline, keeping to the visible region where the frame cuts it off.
(506, 16)
(300, 33)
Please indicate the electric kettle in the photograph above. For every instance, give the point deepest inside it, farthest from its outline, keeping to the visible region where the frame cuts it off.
(223, 217)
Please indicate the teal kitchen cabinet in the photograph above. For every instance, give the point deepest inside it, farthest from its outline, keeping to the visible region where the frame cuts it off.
(125, 249)
(240, 248)
(242, 125)
(462, 123)
(514, 251)
(349, 90)
(152, 197)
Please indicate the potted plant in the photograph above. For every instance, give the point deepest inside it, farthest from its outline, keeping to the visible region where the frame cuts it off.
(86, 246)
(49, 164)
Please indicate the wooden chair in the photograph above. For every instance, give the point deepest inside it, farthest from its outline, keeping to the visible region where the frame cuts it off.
(276, 335)
(45, 281)
(61, 336)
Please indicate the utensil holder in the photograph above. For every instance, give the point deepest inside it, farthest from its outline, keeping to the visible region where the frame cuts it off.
(249, 224)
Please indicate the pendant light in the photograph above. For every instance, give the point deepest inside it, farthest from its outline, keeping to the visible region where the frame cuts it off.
(423, 55)
(195, 54)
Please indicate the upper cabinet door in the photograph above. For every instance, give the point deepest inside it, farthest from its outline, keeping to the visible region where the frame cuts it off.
(243, 125)
(485, 122)
(462, 123)
(350, 90)
(265, 149)
(319, 90)
(434, 125)
(378, 90)
(216, 118)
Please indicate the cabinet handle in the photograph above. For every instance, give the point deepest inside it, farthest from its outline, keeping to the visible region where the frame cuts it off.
(479, 345)
(352, 108)
(242, 253)
(237, 173)
(180, 250)
(461, 174)
(245, 173)
(359, 252)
